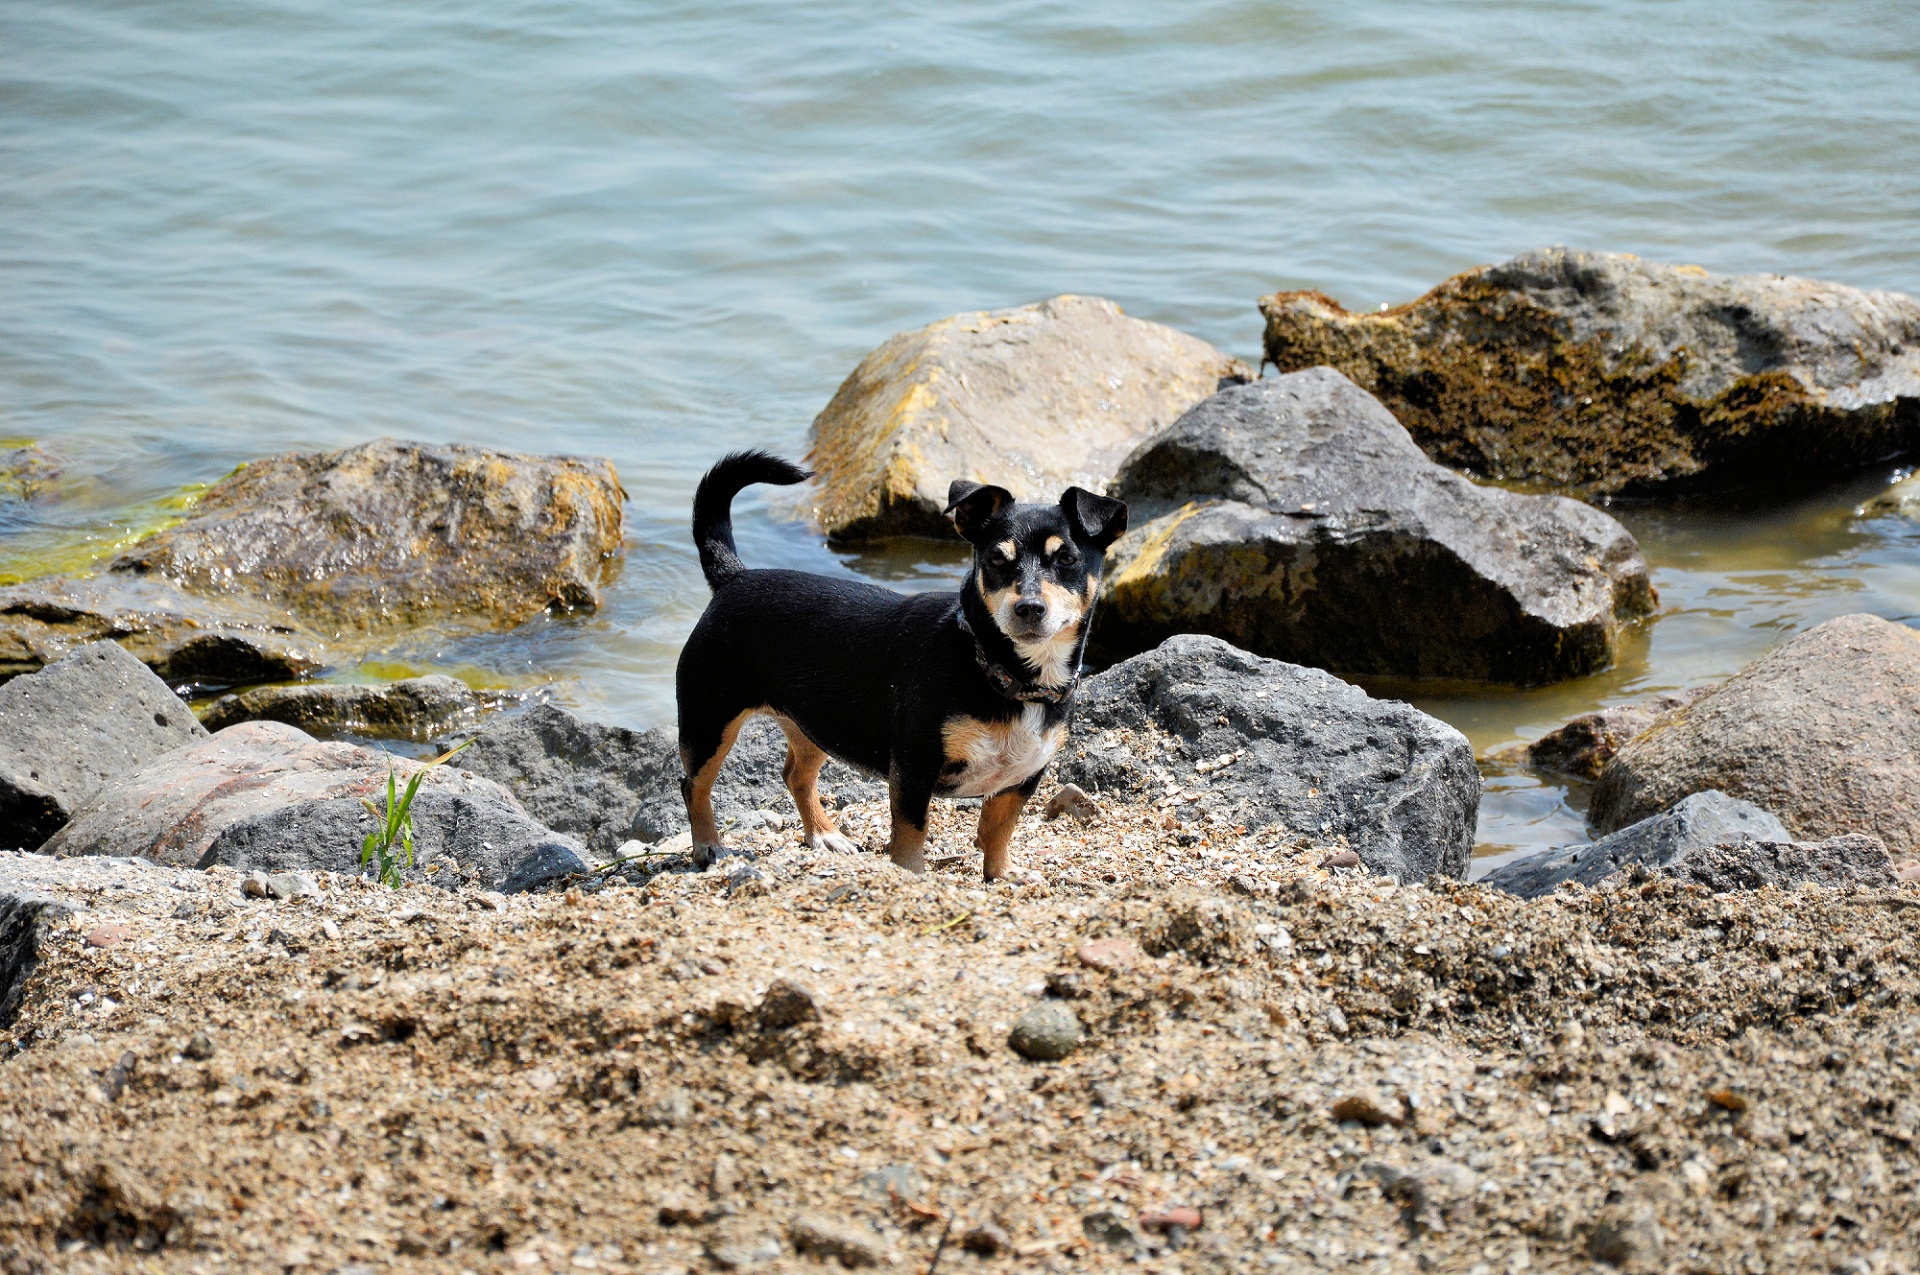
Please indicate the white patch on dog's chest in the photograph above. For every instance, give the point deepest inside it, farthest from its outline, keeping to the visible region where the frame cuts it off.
(995, 756)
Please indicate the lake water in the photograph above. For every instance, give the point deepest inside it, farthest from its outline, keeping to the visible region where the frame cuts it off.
(657, 231)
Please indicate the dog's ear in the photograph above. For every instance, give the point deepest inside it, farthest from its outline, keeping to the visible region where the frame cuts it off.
(970, 504)
(1100, 520)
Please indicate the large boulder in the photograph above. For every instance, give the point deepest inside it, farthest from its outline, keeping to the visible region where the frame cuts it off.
(356, 545)
(74, 727)
(1824, 732)
(1852, 859)
(1699, 822)
(1608, 373)
(269, 796)
(609, 784)
(415, 708)
(1203, 728)
(1294, 517)
(1034, 399)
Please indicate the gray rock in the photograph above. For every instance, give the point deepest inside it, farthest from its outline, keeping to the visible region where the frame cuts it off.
(267, 796)
(416, 708)
(892, 1182)
(1851, 859)
(787, 1004)
(1106, 1227)
(1603, 371)
(1035, 399)
(1699, 822)
(818, 1236)
(1046, 1032)
(608, 784)
(75, 726)
(26, 918)
(1295, 518)
(1824, 732)
(1585, 745)
(292, 885)
(1312, 753)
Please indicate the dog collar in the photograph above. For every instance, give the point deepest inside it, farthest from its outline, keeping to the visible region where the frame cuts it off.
(1006, 683)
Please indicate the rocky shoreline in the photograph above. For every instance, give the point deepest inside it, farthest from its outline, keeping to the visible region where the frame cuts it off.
(1235, 1009)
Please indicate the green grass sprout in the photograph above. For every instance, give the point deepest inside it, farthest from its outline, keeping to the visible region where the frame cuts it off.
(396, 824)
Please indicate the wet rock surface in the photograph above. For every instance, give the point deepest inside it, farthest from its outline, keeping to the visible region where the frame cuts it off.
(1034, 398)
(415, 708)
(1203, 730)
(1696, 823)
(1583, 747)
(1295, 517)
(1824, 732)
(608, 784)
(72, 728)
(1608, 373)
(266, 796)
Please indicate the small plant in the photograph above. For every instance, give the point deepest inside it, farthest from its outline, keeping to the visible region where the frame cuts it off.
(396, 825)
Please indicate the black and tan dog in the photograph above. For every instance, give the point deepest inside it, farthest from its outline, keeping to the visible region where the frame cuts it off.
(952, 695)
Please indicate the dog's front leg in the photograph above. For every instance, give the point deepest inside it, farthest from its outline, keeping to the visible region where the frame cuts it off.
(909, 797)
(999, 814)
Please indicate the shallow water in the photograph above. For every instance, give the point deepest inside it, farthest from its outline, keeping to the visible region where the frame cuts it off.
(655, 232)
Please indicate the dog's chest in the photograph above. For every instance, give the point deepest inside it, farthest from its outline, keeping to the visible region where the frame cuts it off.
(985, 757)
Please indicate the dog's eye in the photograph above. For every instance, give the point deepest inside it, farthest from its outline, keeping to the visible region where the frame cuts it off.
(1065, 558)
(1000, 557)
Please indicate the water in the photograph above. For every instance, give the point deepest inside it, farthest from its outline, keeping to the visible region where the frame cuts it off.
(657, 231)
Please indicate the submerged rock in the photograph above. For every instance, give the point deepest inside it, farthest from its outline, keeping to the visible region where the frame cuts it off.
(1294, 517)
(1824, 732)
(1899, 500)
(74, 727)
(1585, 745)
(1851, 859)
(1035, 399)
(1699, 822)
(267, 796)
(416, 708)
(608, 784)
(1264, 743)
(1605, 372)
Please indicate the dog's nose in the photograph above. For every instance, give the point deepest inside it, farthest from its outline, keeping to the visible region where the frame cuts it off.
(1029, 609)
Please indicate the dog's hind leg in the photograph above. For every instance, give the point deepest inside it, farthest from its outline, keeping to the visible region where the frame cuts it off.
(999, 814)
(701, 753)
(802, 776)
(907, 847)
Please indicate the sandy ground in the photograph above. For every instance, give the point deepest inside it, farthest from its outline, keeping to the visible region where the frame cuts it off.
(804, 1063)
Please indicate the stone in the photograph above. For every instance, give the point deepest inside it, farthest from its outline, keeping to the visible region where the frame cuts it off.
(292, 885)
(725, 1177)
(1900, 500)
(1070, 800)
(1433, 1192)
(199, 1047)
(892, 1182)
(415, 708)
(1699, 822)
(1907, 870)
(1823, 731)
(72, 728)
(742, 1254)
(787, 1004)
(1583, 747)
(609, 784)
(1034, 399)
(112, 934)
(1342, 859)
(268, 797)
(1296, 518)
(1852, 859)
(1626, 1235)
(1604, 372)
(1368, 1107)
(817, 1236)
(1319, 756)
(1046, 1033)
(988, 1239)
(190, 642)
(255, 886)
(1109, 954)
(1106, 1227)
(1176, 1217)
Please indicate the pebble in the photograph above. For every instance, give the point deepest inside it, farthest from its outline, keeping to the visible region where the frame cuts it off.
(1167, 1219)
(893, 1182)
(1626, 1237)
(787, 1004)
(987, 1239)
(1109, 1228)
(819, 1236)
(256, 887)
(1108, 954)
(1071, 800)
(1047, 1032)
(199, 1047)
(110, 935)
(734, 1255)
(677, 1209)
(1341, 859)
(1907, 870)
(292, 885)
(1368, 1107)
(725, 1178)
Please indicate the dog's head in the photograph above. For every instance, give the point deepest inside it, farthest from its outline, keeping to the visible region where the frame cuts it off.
(1037, 566)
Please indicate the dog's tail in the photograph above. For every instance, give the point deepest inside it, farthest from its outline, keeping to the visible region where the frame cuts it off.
(713, 507)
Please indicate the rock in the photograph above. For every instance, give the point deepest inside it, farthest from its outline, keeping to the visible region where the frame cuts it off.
(678, 1209)
(1699, 822)
(1585, 745)
(75, 726)
(255, 886)
(190, 642)
(1907, 870)
(1851, 859)
(1609, 373)
(1824, 732)
(199, 1047)
(787, 1004)
(27, 473)
(1109, 1228)
(1035, 399)
(818, 1236)
(1368, 1107)
(266, 796)
(1047, 1032)
(1901, 500)
(1295, 518)
(725, 1178)
(988, 1239)
(1070, 800)
(109, 935)
(1319, 756)
(893, 1182)
(1109, 954)
(1177, 1217)
(1627, 1236)
(737, 1255)
(292, 885)
(1434, 1192)
(608, 784)
(1342, 859)
(417, 708)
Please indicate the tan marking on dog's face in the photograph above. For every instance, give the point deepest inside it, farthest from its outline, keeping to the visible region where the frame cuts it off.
(996, 756)
(999, 601)
(1007, 550)
(1053, 545)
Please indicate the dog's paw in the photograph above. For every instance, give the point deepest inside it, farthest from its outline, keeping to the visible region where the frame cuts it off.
(704, 853)
(838, 842)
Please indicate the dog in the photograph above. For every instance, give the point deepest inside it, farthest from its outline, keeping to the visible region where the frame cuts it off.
(944, 694)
